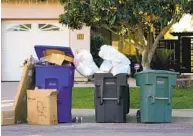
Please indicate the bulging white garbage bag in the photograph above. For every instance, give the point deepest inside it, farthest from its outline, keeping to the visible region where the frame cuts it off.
(106, 66)
(107, 52)
(85, 64)
(118, 69)
(120, 63)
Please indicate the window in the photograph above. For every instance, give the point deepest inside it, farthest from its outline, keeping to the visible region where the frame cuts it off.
(20, 27)
(48, 27)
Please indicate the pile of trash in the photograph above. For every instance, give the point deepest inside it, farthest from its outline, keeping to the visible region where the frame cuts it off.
(113, 62)
(35, 91)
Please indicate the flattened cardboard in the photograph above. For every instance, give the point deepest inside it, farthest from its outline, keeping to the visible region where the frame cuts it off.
(45, 50)
(50, 51)
(42, 107)
(7, 117)
(20, 103)
(58, 59)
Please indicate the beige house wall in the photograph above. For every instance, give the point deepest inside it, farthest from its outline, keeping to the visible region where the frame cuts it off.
(12, 12)
(80, 43)
(50, 11)
(30, 11)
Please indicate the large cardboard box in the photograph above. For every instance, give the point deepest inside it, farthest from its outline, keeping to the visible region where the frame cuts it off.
(57, 59)
(42, 107)
(27, 81)
(7, 117)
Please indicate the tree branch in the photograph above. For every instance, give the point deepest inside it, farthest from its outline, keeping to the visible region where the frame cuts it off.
(140, 48)
(141, 33)
(106, 27)
(162, 33)
(154, 37)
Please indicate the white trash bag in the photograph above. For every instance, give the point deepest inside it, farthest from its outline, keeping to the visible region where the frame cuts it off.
(84, 63)
(121, 69)
(120, 63)
(106, 66)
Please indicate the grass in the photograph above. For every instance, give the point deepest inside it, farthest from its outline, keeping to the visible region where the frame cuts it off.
(83, 97)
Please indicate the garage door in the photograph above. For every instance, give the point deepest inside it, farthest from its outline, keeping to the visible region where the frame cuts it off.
(19, 38)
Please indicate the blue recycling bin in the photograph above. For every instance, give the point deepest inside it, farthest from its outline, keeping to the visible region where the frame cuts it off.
(57, 77)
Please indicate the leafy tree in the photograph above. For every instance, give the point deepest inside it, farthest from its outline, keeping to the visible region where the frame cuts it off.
(133, 19)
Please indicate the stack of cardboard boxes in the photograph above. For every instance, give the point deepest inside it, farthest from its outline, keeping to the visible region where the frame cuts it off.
(33, 105)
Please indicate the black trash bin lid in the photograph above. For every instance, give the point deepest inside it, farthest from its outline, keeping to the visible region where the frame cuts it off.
(41, 48)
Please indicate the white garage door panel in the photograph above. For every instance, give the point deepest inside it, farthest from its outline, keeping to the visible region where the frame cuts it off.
(53, 38)
(18, 40)
(17, 49)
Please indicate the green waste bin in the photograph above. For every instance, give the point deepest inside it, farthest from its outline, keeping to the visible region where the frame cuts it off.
(155, 95)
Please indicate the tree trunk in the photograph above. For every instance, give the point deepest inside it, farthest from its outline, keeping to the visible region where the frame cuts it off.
(146, 59)
(121, 43)
(138, 56)
(145, 62)
(148, 52)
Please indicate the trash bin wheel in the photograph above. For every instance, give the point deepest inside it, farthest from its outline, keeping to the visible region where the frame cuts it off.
(138, 116)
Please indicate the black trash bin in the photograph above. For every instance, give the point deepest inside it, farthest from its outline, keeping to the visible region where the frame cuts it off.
(112, 98)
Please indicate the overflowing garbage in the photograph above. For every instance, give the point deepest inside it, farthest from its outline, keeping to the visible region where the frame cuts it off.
(119, 62)
(84, 63)
(113, 62)
(51, 78)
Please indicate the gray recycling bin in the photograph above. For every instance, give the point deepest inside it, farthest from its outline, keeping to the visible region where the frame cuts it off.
(112, 98)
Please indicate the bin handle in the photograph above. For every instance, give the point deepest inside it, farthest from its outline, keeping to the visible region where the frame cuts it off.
(169, 93)
(118, 94)
(101, 92)
(161, 98)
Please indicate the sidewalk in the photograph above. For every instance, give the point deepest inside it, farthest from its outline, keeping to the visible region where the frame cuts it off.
(178, 115)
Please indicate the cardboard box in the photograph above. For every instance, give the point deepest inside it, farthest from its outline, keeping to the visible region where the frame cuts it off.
(27, 81)
(42, 107)
(7, 118)
(57, 59)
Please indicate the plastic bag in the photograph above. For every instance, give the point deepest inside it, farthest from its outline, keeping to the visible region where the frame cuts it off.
(120, 63)
(107, 52)
(106, 66)
(84, 63)
(121, 69)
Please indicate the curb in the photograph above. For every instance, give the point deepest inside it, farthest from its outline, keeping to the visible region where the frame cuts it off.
(178, 116)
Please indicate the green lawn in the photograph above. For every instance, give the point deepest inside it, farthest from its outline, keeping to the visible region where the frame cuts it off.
(84, 98)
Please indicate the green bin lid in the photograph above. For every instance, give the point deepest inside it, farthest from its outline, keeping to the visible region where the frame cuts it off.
(157, 72)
